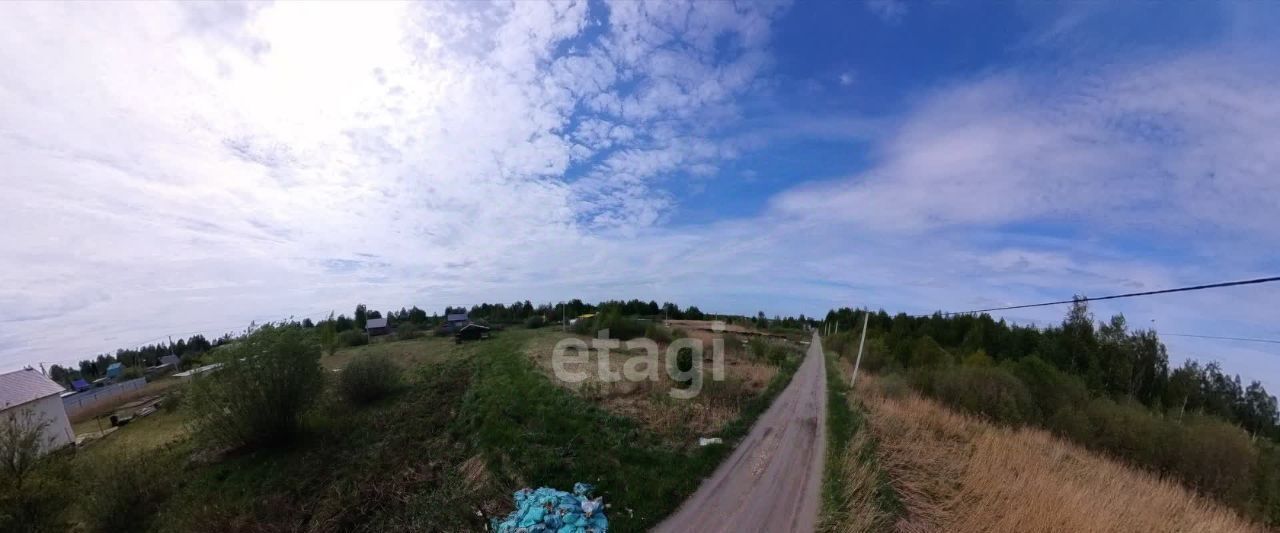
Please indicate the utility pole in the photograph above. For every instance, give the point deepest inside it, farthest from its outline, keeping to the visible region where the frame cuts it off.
(564, 317)
(857, 362)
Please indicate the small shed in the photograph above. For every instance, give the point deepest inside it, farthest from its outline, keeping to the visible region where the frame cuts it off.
(28, 392)
(81, 385)
(114, 370)
(377, 326)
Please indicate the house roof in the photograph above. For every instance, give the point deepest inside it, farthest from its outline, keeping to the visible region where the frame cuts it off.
(17, 388)
(115, 366)
(375, 323)
(473, 325)
(456, 317)
(80, 384)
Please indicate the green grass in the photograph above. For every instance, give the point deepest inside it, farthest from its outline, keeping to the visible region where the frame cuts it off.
(536, 432)
(474, 422)
(844, 421)
(408, 354)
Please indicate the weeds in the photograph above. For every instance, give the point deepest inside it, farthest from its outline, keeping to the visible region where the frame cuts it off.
(369, 379)
(857, 496)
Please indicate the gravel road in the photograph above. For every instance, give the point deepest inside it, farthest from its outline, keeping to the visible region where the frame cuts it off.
(773, 480)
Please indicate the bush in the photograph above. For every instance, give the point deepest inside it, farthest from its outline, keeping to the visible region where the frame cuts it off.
(1213, 456)
(124, 492)
(408, 331)
(684, 363)
(926, 353)
(39, 502)
(353, 337)
(620, 327)
(260, 393)
(369, 379)
(535, 322)
(658, 333)
(129, 373)
(1055, 390)
(991, 392)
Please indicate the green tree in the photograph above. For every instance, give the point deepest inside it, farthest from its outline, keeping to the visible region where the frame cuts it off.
(259, 394)
(362, 317)
(328, 336)
(22, 440)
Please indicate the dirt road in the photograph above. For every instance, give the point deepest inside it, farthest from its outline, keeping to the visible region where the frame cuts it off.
(773, 480)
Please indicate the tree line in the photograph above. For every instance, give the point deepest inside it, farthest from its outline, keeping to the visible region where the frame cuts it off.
(1101, 384)
(1108, 357)
(348, 330)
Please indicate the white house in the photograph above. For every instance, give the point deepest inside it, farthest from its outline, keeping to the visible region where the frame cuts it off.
(29, 389)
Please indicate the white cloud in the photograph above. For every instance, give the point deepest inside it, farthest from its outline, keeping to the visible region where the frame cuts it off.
(1187, 143)
(890, 11)
(183, 167)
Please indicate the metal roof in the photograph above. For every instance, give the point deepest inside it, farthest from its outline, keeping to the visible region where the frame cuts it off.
(455, 317)
(17, 388)
(375, 323)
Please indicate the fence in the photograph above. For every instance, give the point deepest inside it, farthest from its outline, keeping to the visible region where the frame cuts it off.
(79, 402)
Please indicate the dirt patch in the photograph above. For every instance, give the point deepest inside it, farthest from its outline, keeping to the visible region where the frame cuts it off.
(679, 421)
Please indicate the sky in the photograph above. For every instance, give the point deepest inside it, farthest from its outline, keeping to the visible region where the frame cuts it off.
(181, 168)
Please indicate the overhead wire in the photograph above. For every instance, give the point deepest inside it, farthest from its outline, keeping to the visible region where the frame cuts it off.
(1118, 296)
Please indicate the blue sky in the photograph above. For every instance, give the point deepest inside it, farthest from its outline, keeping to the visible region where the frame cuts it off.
(183, 168)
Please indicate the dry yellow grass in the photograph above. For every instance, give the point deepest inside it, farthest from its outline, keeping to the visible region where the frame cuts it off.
(956, 473)
(648, 402)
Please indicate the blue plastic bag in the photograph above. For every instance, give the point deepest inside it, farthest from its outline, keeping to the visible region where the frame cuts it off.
(547, 510)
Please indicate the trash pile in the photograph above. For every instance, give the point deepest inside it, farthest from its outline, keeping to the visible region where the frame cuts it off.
(555, 511)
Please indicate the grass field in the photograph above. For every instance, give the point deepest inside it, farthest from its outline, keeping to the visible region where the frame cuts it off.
(407, 354)
(956, 473)
(473, 423)
(680, 422)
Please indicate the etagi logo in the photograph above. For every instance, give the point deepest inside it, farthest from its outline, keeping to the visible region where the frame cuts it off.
(571, 358)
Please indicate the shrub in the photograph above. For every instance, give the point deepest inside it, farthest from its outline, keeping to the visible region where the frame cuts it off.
(875, 356)
(369, 379)
(1127, 430)
(978, 359)
(1213, 456)
(535, 322)
(407, 331)
(684, 363)
(658, 333)
(893, 386)
(39, 505)
(353, 337)
(129, 373)
(991, 392)
(1055, 390)
(620, 327)
(124, 492)
(23, 438)
(926, 353)
(258, 396)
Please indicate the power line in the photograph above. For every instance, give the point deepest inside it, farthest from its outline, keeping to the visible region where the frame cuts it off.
(1126, 295)
(1220, 338)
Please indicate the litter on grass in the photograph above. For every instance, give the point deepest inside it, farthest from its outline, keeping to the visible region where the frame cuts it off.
(554, 511)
